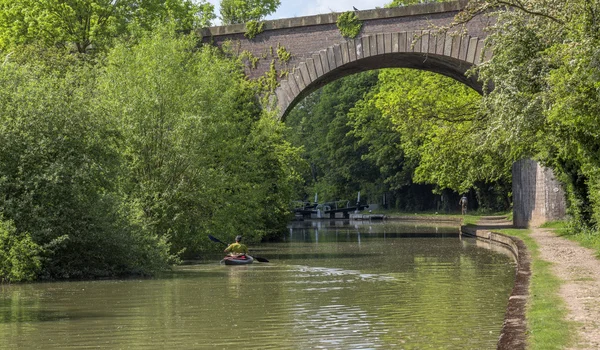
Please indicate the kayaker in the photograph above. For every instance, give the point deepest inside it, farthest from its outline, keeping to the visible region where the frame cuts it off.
(237, 248)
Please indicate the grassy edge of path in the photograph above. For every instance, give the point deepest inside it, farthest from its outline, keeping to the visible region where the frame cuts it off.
(546, 312)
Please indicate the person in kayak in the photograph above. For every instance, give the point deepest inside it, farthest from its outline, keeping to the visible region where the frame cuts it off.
(237, 248)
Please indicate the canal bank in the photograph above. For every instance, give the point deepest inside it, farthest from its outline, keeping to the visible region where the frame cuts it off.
(578, 269)
(562, 308)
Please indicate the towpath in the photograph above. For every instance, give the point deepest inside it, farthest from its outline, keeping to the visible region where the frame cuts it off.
(579, 269)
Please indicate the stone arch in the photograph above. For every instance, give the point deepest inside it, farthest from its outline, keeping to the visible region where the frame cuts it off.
(447, 54)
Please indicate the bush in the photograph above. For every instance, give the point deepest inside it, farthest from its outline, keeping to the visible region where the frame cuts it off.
(349, 24)
(19, 255)
(60, 166)
(253, 28)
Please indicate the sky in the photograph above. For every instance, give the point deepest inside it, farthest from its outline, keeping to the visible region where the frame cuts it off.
(299, 8)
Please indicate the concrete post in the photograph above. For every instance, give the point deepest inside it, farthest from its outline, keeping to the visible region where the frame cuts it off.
(537, 196)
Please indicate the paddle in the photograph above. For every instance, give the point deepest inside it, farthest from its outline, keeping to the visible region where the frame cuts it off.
(215, 239)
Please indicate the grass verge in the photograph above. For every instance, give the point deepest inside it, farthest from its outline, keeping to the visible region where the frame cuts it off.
(548, 329)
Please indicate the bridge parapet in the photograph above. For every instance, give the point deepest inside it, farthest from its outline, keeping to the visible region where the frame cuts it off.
(304, 36)
(331, 18)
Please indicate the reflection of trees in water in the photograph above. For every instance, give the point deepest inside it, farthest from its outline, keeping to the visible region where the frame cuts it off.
(316, 231)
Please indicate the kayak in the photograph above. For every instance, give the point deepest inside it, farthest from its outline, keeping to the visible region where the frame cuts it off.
(237, 260)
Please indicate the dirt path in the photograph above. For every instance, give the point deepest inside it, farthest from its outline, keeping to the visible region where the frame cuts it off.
(580, 271)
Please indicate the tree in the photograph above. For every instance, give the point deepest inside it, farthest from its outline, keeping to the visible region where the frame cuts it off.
(320, 124)
(85, 25)
(401, 132)
(242, 11)
(438, 120)
(545, 101)
(115, 166)
(422, 127)
(59, 163)
(200, 157)
(384, 151)
(19, 255)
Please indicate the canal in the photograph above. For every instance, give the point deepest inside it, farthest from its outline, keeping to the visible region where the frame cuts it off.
(328, 285)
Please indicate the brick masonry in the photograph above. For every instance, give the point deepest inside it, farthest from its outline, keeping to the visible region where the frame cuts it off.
(303, 36)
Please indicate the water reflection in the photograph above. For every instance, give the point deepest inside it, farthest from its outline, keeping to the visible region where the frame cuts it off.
(329, 285)
(347, 230)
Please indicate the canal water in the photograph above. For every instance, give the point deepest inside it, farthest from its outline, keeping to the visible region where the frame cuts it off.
(328, 285)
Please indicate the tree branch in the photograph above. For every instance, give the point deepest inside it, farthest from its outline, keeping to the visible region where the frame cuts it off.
(519, 5)
(478, 7)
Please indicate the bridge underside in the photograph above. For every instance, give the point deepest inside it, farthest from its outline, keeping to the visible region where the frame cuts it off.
(437, 64)
(445, 54)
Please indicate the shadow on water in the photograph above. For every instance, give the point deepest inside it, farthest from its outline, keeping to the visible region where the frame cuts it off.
(39, 315)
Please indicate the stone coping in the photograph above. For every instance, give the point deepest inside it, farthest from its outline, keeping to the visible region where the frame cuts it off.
(513, 335)
(331, 18)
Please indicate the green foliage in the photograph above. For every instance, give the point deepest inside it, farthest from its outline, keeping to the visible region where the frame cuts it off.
(586, 237)
(117, 166)
(194, 165)
(86, 25)
(251, 59)
(384, 133)
(349, 24)
(19, 255)
(382, 141)
(545, 103)
(253, 28)
(423, 127)
(283, 54)
(266, 84)
(59, 166)
(319, 124)
(242, 11)
(274, 173)
(556, 225)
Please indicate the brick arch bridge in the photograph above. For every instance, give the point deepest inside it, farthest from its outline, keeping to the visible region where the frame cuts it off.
(390, 38)
(398, 37)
